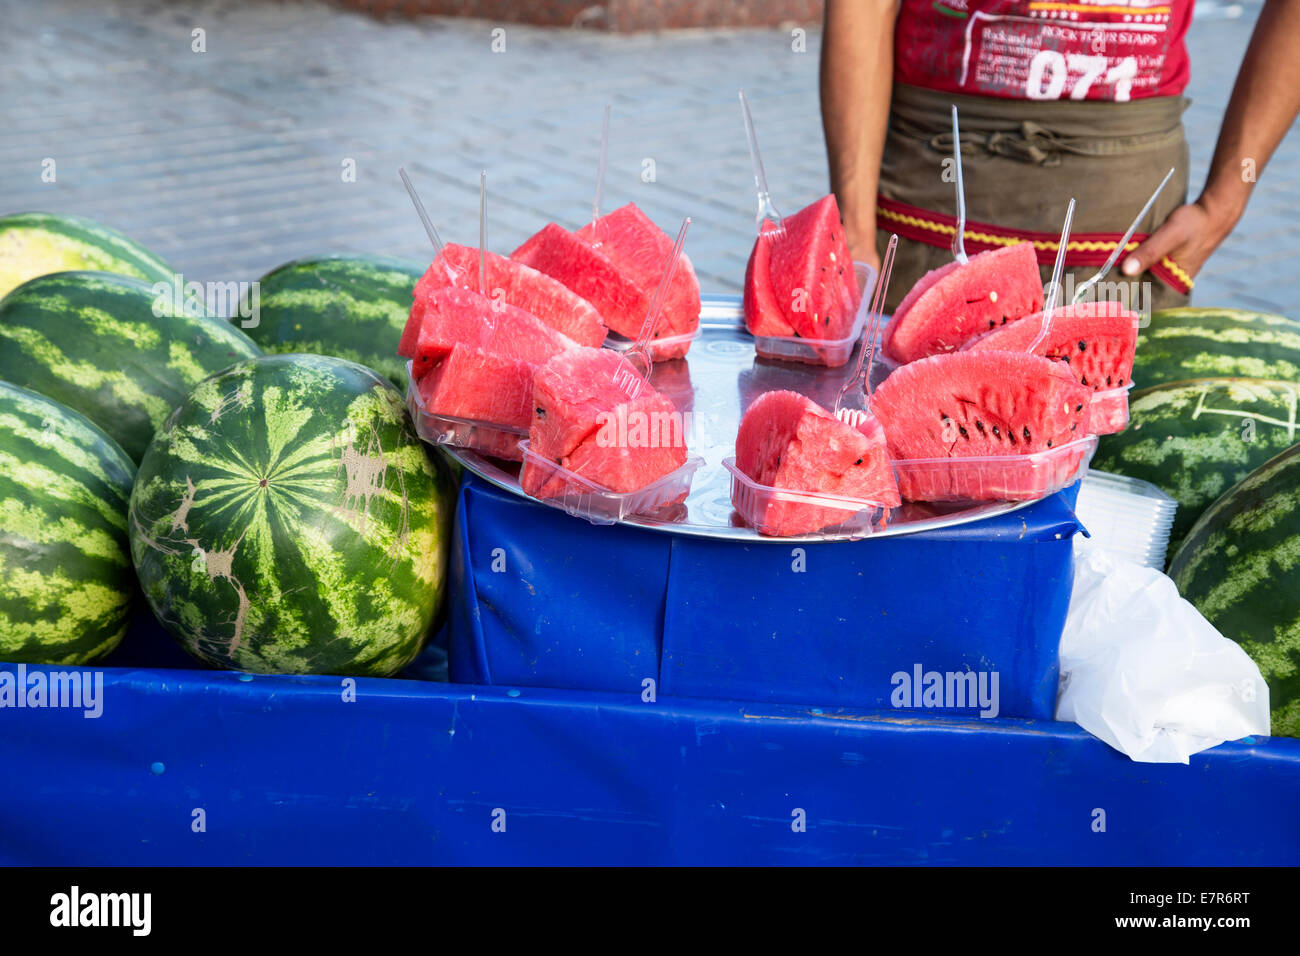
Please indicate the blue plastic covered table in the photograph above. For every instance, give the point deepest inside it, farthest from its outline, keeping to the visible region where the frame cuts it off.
(285, 771)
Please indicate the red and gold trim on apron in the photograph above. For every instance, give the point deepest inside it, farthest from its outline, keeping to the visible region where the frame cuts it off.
(1083, 249)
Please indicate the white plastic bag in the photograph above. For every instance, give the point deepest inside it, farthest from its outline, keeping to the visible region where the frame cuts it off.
(1145, 672)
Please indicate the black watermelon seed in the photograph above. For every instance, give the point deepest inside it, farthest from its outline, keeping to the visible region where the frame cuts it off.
(1084, 380)
(541, 412)
(1073, 427)
(1049, 443)
(1012, 436)
(1027, 438)
(980, 425)
(858, 462)
(1107, 379)
(996, 433)
(962, 429)
(992, 324)
(1083, 346)
(1078, 408)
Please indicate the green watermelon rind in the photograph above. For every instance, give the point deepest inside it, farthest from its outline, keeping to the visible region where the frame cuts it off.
(337, 565)
(352, 307)
(92, 341)
(1199, 342)
(1240, 567)
(80, 244)
(1195, 439)
(66, 580)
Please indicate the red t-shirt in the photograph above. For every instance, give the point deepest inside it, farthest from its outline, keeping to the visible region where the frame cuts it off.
(1044, 49)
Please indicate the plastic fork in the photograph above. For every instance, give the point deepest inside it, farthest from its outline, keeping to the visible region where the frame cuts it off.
(860, 380)
(1054, 287)
(1082, 290)
(429, 228)
(766, 209)
(599, 198)
(959, 237)
(629, 378)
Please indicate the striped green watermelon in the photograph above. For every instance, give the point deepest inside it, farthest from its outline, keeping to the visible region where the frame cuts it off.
(351, 307)
(65, 568)
(1190, 343)
(1240, 566)
(92, 341)
(1197, 439)
(286, 519)
(36, 243)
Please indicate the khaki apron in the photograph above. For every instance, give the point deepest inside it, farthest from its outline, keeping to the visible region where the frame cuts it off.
(1022, 161)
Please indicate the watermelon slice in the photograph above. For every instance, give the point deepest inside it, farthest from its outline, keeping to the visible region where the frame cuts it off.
(763, 315)
(787, 441)
(586, 424)
(1097, 340)
(451, 316)
(520, 285)
(1003, 408)
(951, 304)
(810, 272)
(452, 387)
(466, 366)
(591, 274)
(641, 250)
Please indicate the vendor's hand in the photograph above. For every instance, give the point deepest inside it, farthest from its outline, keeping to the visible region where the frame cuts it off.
(1188, 237)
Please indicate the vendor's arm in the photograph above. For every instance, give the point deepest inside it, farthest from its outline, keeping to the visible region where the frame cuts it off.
(1265, 101)
(857, 68)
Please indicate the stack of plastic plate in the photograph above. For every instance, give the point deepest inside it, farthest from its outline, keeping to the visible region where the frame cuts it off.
(1127, 516)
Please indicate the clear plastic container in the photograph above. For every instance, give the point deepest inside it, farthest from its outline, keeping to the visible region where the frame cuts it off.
(995, 478)
(584, 498)
(489, 438)
(1109, 411)
(781, 512)
(663, 349)
(829, 352)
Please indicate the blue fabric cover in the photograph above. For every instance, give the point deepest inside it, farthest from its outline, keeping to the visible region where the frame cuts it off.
(543, 599)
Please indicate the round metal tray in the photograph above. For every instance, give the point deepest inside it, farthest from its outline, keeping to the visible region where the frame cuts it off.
(714, 384)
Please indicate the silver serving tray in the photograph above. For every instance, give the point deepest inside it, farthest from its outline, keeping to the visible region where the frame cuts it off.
(715, 383)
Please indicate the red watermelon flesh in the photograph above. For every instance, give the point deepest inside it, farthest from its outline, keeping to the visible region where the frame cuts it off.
(981, 404)
(453, 316)
(591, 274)
(520, 285)
(641, 250)
(452, 387)
(763, 314)
(787, 441)
(956, 302)
(586, 424)
(811, 272)
(1095, 339)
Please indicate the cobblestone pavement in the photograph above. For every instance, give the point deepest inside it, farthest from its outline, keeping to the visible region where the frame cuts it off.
(231, 161)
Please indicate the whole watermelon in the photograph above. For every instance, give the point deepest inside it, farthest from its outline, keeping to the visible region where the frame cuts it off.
(351, 307)
(111, 348)
(1197, 439)
(286, 519)
(65, 567)
(1195, 342)
(1240, 566)
(36, 243)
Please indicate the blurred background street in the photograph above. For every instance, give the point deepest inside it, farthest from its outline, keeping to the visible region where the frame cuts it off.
(233, 160)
